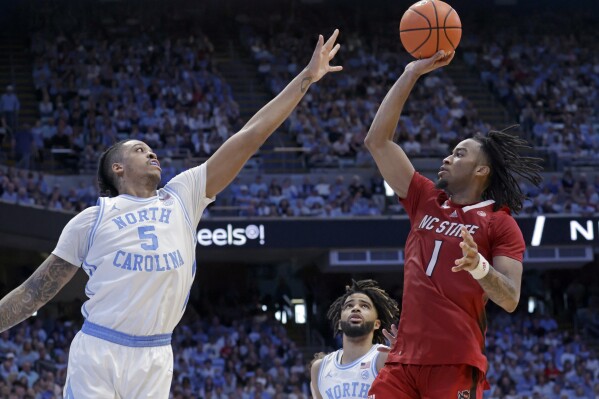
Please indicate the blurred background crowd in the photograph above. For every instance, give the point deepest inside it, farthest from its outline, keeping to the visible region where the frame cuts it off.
(79, 76)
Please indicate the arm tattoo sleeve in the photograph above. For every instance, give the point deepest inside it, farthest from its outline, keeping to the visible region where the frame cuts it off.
(36, 291)
(499, 288)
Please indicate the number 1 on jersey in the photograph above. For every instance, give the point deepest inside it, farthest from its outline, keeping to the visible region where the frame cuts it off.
(433, 262)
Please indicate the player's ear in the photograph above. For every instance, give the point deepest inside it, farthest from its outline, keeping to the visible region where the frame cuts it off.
(377, 324)
(483, 170)
(117, 168)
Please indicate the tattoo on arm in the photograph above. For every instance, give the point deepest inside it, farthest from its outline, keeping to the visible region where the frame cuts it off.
(36, 291)
(499, 288)
(305, 83)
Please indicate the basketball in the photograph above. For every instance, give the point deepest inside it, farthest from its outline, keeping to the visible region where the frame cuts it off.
(429, 26)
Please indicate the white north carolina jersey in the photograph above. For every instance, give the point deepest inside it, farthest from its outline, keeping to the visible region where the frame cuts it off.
(139, 254)
(353, 380)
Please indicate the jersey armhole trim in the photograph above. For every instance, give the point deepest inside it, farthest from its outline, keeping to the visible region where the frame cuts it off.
(187, 219)
(374, 359)
(322, 368)
(94, 229)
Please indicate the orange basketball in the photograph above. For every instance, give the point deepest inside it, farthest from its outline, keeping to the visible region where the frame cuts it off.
(429, 26)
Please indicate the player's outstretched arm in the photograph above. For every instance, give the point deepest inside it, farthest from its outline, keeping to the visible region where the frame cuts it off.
(36, 291)
(227, 161)
(396, 168)
(314, 370)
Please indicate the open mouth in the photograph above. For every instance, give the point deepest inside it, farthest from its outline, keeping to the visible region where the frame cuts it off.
(155, 163)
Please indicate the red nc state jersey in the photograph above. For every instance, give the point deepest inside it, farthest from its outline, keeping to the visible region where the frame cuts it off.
(443, 317)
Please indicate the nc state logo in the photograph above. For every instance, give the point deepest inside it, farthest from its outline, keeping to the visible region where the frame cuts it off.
(464, 394)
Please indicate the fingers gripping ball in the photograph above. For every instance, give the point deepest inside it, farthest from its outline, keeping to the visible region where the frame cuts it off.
(429, 26)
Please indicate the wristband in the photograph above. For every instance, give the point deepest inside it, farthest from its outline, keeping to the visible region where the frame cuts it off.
(482, 269)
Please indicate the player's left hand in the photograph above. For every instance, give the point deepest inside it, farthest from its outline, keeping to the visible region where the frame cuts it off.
(391, 337)
(323, 54)
(470, 252)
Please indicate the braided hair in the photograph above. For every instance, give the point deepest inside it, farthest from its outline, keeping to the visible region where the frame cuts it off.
(502, 152)
(106, 178)
(386, 307)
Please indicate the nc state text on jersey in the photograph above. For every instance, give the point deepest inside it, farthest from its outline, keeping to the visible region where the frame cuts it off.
(446, 228)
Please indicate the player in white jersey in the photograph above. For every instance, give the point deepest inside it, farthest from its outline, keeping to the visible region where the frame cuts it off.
(359, 315)
(138, 249)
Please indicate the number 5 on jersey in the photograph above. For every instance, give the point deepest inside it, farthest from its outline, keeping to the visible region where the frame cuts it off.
(145, 234)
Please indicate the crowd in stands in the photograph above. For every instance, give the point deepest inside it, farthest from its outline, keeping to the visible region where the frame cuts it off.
(104, 80)
(250, 357)
(308, 197)
(330, 124)
(336, 197)
(96, 85)
(531, 358)
(570, 195)
(241, 352)
(304, 196)
(301, 196)
(28, 188)
(99, 82)
(548, 78)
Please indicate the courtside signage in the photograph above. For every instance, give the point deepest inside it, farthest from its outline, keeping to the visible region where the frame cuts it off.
(571, 231)
(301, 233)
(231, 235)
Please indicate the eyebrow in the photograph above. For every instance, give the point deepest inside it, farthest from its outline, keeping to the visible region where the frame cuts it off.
(460, 149)
(359, 300)
(142, 146)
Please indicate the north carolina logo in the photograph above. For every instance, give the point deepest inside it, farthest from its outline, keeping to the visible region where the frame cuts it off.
(167, 200)
(365, 374)
(464, 394)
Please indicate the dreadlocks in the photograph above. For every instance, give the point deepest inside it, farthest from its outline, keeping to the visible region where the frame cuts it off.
(502, 151)
(106, 180)
(386, 307)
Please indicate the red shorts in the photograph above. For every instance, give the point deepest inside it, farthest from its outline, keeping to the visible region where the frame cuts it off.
(411, 381)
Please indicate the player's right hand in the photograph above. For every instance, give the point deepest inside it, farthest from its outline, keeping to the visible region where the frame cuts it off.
(426, 65)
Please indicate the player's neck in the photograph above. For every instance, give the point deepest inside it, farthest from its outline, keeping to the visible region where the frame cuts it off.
(466, 192)
(138, 191)
(467, 197)
(145, 188)
(355, 348)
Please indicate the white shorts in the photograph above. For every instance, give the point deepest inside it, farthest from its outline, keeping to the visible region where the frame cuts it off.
(99, 369)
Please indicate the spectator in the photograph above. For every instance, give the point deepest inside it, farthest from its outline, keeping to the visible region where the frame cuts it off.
(10, 106)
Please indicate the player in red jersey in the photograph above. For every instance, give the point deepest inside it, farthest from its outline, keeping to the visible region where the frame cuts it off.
(464, 248)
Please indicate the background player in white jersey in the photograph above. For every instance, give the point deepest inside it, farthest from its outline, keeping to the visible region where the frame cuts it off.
(359, 315)
(138, 248)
